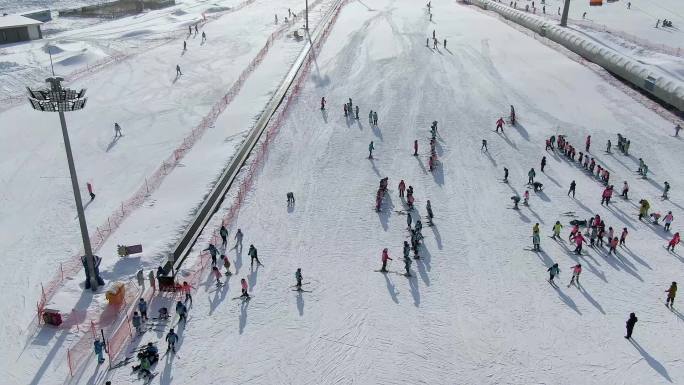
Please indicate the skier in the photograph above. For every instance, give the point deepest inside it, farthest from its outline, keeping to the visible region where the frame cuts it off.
(576, 271)
(189, 30)
(226, 264)
(196, 31)
(407, 261)
(427, 42)
(445, 41)
(178, 70)
(142, 307)
(185, 45)
(245, 288)
(677, 129)
(298, 277)
(187, 288)
(531, 174)
(385, 258)
(572, 188)
(505, 179)
(370, 117)
(182, 311)
(323, 103)
(526, 198)
(345, 110)
(408, 220)
(90, 191)
(606, 195)
(418, 226)
(673, 242)
(643, 208)
(623, 236)
(625, 190)
(640, 170)
(144, 367)
(204, 37)
(613, 245)
(276, 19)
(512, 116)
(484, 145)
(136, 321)
(238, 238)
(253, 254)
(428, 207)
(213, 251)
(415, 148)
(171, 339)
(553, 272)
(370, 150)
(499, 125)
(375, 118)
(666, 189)
(645, 171)
(579, 239)
(117, 130)
(668, 220)
(587, 143)
(543, 163)
(556, 230)
(630, 325)
(608, 146)
(223, 232)
(99, 347)
(402, 188)
(140, 277)
(290, 199)
(516, 200)
(217, 275)
(671, 293)
(535, 238)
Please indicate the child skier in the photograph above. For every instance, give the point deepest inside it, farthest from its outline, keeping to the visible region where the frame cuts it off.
(254, 256)
(238, 239)
(576, 271)
(370, 150)
(553, 272)
(99, 349)
(499, 125)
(182, 311)
(245, 288)
(136, 321)
(556, 230)
(673, 242)
(223, 232)
(385, 258)
(187, 288)
(90, 191)
(526, 198)
(535, 237)
(671, 292)
(402, 188)
(630, 325)
(226, 264)
(142, 308)
(668, 220)
(171, 339)
(572, 188)
(298, 277)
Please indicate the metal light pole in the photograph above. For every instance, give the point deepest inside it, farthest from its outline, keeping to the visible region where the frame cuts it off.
(58, 99)
(564, 16)
(307, 14)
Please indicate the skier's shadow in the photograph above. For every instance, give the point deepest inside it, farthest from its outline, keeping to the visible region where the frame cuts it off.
(391, 288)
(591, 299)
(491, 159)
(655, 364)
(219, 296)
(376, 131)
(290, 208)
(438, 236)
(536, 215)
(358, 123)
(300, 303)
(385, 212)
(252, 277)
(567, 300)
(176, 79)
(421, 266)
(620, 215)
(375, 168)
(438, 174)
(420, 162)
(510, 143)
(238, 259)
(523, 132)
(112, 143)
(243, 315)
(324, 114)
(413, 283)
(553, 180)
(636, 258)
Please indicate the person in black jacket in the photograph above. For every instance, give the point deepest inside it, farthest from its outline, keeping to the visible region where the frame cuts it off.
(630, 325)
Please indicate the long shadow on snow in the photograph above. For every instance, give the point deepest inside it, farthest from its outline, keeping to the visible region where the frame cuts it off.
(44, 336)
(591, 299)
(375, 168)
(300, 303)
(438, 236)
(510, 143)
(324, 115)
(377, 132)
(219, 296)
(386, 211)
(238, 258)
(576, 257)
(489, 156)
(621, 215)
(619, 262)
(438, 174)
(636, 257)
(543, 196)
(413, 283)
(655, 364)
(420, 162)
(252, 277)
(523, 132)
(568, 301)
(536, 215)
(243, 315)
(391, 288)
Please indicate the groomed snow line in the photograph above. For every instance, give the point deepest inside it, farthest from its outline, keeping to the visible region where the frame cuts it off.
(661, 86)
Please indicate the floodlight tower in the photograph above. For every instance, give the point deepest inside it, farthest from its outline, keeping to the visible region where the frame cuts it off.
(61, 100)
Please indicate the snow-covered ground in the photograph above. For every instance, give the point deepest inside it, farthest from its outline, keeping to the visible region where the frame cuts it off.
(478, 309)
(156, 112)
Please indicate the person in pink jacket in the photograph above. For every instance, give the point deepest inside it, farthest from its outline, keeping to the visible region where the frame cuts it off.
(499, 124)
(573, 232)
(668, 220)
(607, 194)
(673, 242)
(245, 287)
(217, 275)
(576, 271)
(402, 188)
(579, 239)
(385, 258)
(613, 245)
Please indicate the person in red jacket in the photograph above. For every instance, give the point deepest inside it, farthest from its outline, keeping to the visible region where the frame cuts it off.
(385, 258)
(673, 242)
(588, 143)
(607, 194)
(402, 188)
(613, 245)
(499, 125)
(90, 191)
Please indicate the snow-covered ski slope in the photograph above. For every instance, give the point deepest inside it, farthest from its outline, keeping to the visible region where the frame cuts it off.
(38, 218)
(478, 309)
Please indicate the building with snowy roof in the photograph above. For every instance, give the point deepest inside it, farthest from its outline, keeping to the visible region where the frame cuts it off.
(15, 28)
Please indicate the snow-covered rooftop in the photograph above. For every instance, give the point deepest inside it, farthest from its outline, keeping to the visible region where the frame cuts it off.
(10, 21)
